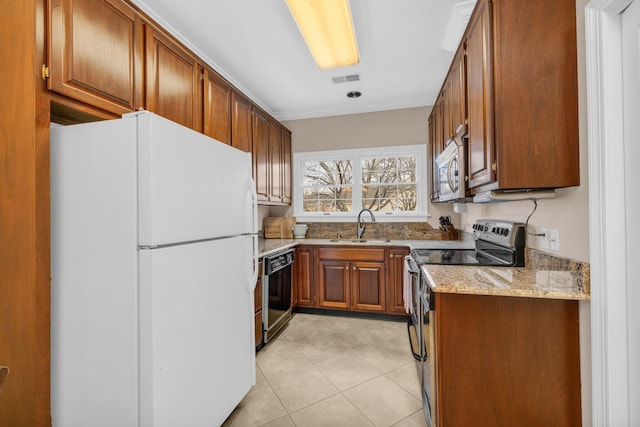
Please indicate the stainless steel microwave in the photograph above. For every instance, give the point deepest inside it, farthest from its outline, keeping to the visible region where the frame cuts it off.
(450, 176)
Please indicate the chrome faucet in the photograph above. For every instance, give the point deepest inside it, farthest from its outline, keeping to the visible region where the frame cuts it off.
(361, 223)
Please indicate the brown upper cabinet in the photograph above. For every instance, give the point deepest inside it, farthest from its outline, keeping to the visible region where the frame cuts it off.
(217, 107)
(272, 160)
(96, 50)
(535, 91)
(275, 162)
(436, 142)
(458, 93)
(286, 166)
(520, 82)
(241, 123)
(108, 58)
(481, 152)
(261, 154)
(173, 79)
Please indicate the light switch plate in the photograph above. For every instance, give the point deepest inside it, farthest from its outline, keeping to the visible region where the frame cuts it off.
(554, 240)
(544, 244)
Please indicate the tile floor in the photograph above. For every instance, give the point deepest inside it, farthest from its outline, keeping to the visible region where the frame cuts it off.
(334, 371)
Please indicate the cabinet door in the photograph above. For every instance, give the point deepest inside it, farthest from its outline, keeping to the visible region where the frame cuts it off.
(303, 276)
(240, 123)
(436, 135)
(333, 284)
(513, 335)
(395, 280)
(286, 166)
(275, 162)
(480, 98)
(368, 286)
(96, 49)
(217, 107)
(458, 94)
(173, 81)
(447, 110)
(432, 155)
(261, 154)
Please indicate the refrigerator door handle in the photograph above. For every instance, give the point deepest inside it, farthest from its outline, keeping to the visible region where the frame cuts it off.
(254, 220)
(251, 186)
(254, 276)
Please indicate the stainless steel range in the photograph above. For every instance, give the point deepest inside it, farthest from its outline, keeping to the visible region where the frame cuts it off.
(497, 243)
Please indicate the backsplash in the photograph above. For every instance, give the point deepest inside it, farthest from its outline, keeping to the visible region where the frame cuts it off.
(376, 231)
(538, 260)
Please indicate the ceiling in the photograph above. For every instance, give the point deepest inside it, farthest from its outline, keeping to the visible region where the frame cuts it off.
(256, 45)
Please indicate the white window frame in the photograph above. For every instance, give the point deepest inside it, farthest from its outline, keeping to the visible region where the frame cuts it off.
(418, 150)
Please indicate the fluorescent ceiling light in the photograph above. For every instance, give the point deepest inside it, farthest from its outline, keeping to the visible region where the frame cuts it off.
(327, 29)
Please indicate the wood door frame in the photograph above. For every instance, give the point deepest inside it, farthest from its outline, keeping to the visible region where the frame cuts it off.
(24, 212)
(608, 232)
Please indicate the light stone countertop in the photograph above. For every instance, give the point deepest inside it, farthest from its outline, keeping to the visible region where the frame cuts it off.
(544, 282)
(506, 281)
(270, 246)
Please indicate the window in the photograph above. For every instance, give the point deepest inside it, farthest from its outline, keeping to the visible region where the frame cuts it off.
(332, 185)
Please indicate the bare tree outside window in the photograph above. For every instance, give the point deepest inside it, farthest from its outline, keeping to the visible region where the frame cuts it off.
(328, 186)
(389, 183)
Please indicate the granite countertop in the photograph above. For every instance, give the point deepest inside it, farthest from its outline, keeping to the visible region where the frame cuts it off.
(544, 277)
(270, 246)
(505, 281)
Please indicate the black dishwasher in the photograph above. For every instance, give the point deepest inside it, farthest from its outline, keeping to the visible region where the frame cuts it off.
(276, 288)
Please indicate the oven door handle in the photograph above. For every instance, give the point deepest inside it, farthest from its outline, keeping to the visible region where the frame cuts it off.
(412, 342)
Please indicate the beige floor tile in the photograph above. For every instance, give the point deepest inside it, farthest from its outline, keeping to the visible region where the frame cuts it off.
(324, 349)
(407, 378)
(415, 420)
(303, 331)
(259, 406)
(386, 357)
(333, 324)
(280, 357)
(280, 422)
(383, 401)
(298, 389)
(332, 412)
(303, 369)
(346, 373)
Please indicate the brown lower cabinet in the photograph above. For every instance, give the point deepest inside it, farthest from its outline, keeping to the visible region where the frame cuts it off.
(507, 361)
(395, 271)
(352, 278)
(303, 268)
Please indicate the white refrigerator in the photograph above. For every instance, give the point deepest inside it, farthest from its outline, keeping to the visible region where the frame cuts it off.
(153, 268)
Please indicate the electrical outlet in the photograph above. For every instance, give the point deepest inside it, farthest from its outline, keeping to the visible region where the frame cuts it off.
(554, 240)
(545, 238)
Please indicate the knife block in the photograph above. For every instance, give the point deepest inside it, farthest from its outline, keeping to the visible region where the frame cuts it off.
(450, 233)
